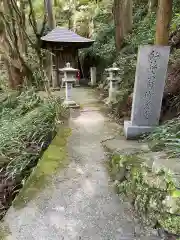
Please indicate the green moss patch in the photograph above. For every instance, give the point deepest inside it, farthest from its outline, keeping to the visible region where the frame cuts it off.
(4, 231)
(153, 193)
(171, 224)
(54, 157)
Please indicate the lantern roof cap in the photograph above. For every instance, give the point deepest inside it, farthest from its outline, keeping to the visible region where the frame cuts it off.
(68, 68)
(114, 68)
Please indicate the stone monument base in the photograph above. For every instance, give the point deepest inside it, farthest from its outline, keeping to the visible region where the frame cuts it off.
(134, 131)
(70, 104)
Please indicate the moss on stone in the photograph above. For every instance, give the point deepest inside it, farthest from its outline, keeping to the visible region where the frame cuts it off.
(148, 189)
(54, 157)
(171, 224)
(126, 160)
(4, 231)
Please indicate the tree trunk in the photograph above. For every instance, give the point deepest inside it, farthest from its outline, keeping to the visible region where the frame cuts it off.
(50, 14)
(71, 13)
(123, 20)
(164, 17)
(52, 25)
(128, 21)
(11, 58)
(23, 42)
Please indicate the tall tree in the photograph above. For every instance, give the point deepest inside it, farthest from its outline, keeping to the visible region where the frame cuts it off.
(23, 42)
(128, 21)
(164, 17)
(11, 46)
(122, 11)
(13, 33)
(51, 24)
(50, 14)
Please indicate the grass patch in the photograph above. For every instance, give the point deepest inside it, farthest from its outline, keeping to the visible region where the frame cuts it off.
(166, 138)
(54, 158)
(27, 126)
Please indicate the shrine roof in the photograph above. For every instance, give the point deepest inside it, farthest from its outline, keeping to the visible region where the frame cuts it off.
(65, 36)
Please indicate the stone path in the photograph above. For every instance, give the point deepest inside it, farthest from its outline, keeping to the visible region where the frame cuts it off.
(80, 202)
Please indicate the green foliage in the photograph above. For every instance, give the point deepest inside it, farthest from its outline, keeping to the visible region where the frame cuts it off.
(171, 223)
(175, 22)
(149, 191)
(144, 33)
(139, 12)
(167, 137)
(27, 124)
(103, 51)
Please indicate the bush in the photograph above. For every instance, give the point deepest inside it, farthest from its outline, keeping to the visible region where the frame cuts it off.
(27, 125)
(166, 137)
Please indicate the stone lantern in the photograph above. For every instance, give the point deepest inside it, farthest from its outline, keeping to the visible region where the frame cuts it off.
(113, 79)
(69, 79)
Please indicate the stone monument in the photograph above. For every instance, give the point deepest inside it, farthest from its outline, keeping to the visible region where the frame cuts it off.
(55, 84)
(93, 76)
(69, 79)
(148, 90)
(113, 81)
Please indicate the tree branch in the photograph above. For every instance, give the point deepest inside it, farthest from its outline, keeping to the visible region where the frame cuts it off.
(32, 18)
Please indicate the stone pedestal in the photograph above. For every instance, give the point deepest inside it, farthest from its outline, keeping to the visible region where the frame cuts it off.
(68, 100)
(93, 76)
(148, 90)
(113, 79)
(113, 90)
(69, 79)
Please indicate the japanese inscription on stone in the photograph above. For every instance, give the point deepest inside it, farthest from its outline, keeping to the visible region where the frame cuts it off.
(149, 85)
(153, 60)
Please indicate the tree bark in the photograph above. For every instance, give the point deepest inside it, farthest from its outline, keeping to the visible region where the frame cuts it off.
(23, 41)
(50, 14)
(122, 10)
(164, 17)
(128, 21)
(52, 25)
(10, 47)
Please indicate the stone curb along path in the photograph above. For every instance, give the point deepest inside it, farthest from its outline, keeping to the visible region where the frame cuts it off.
(151, 181)
(69, 194)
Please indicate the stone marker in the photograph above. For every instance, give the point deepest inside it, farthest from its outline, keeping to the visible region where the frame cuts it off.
(69, 79)
(93, 76)
(54, 82)
(148, 90)
(113, 79)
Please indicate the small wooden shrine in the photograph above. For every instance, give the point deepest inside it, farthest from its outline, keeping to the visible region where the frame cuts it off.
(64, 45)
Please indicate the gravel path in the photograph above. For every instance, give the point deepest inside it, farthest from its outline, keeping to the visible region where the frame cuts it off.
(80, 202)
